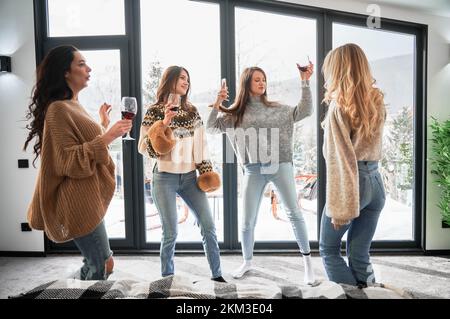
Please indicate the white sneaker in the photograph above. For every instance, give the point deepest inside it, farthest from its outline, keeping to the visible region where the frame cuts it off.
(309, 272)
(246, 266)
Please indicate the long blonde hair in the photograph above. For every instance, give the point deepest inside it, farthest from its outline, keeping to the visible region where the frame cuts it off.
(237, 109)
(349, 82)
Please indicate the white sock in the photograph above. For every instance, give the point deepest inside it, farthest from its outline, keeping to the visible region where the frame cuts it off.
(309, 272)
(246, 266)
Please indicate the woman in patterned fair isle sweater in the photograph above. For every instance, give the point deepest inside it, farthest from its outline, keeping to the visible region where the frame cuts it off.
(176, 141)
(250, 119)
(76, 177)
(353, 133)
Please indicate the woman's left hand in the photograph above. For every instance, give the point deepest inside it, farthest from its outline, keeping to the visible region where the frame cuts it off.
(104, 112)
(306, 75)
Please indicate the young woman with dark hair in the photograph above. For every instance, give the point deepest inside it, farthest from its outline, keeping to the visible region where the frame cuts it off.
(76, 179)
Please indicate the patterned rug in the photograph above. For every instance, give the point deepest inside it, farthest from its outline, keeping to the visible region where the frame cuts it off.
(183, 287)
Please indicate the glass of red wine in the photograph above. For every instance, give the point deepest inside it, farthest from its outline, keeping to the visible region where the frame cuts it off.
(175, 100)
(129, 110)
(304, 68)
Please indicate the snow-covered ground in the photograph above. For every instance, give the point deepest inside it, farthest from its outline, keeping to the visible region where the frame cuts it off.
(395, 222)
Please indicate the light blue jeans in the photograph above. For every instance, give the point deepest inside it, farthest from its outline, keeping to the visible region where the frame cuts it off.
(254, 183)
(165, 187)
(360, 232)
(96, 251)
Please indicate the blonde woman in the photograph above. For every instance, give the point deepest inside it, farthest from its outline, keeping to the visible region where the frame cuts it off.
(353, 130)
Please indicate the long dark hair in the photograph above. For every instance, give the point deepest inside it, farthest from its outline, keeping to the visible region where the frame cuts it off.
(168, 84)
(50, 86)
(237, 109)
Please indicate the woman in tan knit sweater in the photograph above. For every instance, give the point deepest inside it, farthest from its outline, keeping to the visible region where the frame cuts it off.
(76, 181)
(353, 130)
(175, 140)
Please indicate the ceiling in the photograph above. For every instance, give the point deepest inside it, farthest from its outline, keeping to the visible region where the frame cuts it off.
(435, 7)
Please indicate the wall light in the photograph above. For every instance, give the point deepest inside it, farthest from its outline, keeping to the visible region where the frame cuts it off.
(5, 63)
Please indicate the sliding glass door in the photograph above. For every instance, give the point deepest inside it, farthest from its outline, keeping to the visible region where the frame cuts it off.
(214, 39)
(168, 37)
(391, 57)
(106, 49)
(276, 42)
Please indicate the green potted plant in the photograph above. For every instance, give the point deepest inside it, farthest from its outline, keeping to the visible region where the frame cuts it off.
(440, 165)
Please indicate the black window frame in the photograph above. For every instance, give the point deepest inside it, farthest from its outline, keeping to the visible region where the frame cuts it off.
(130, 83)
(130, 48)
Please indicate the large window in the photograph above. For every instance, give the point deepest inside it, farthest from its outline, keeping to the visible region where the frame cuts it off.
(104, 86)
(86, 17)
(391, 57)
(170, 38)
(129, 43)
(276, 42)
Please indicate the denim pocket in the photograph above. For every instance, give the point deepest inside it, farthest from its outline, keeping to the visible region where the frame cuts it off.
(380, 184)
(364, 189)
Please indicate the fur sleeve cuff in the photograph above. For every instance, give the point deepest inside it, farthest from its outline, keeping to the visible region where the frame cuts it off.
(209, 182)
(161, 137)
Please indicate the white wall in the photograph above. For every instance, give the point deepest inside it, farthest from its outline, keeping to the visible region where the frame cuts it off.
(438, 91)
(17, 41)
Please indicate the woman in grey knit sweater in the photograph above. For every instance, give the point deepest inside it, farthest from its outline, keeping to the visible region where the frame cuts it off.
(261, 133)
(353, 130)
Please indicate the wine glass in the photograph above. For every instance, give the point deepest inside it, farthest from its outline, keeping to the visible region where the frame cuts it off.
(129, 110)
(304, 68)
(175, 100)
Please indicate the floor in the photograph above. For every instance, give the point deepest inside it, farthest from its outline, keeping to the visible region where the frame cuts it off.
(426, 276)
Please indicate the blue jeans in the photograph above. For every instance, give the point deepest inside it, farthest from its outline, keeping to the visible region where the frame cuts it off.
(95, 249)
(165, 187)
(254, 183)
(360, 232)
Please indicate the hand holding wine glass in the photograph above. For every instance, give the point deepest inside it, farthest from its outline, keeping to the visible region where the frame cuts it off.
(129, 110)
(222, 95)
(307, 70)
(171, 108)
(175, 101)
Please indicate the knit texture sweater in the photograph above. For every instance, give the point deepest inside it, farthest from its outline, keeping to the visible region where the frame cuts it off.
(76, 180)
(191, 148)
(343, 147)
(266, 132)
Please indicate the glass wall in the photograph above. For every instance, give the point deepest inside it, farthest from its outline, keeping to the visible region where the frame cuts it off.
(391, 57)
(276, 42)
(104, 86)
(169, 37)
(215, 39)
(86, 17)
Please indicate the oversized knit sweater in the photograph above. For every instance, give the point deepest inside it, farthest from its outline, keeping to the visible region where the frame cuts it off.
(262, 125)
(343, 147)
(76, 180)
(191, 148)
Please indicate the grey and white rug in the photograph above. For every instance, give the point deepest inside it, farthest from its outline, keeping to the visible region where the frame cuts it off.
(185, 287)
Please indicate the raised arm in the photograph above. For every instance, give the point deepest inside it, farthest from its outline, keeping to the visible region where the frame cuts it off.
(304, 108)
(218, 124)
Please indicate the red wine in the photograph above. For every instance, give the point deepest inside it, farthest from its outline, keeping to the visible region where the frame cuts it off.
(128, 115)
(302, 68)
